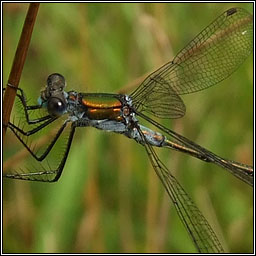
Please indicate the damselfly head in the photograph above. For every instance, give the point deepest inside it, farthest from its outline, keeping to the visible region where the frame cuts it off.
(55, 86)
(56, 82)
(53, 95)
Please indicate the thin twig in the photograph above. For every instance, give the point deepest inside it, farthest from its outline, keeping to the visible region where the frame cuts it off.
(18, 63)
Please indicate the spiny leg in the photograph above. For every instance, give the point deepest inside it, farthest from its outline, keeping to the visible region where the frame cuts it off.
(27, 108)
(46, 174)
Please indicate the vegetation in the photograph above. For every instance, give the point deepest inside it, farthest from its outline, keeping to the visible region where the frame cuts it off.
(109, 198)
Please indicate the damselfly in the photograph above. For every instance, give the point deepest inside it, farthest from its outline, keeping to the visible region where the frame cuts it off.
(209, 58)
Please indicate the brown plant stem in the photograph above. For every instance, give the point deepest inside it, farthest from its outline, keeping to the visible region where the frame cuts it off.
(18, 63)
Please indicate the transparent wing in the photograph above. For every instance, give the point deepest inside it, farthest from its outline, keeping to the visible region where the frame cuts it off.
(159, 99)
(197, 226)
(213, 55)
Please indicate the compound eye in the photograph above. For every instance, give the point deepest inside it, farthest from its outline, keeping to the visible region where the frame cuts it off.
(56, 107)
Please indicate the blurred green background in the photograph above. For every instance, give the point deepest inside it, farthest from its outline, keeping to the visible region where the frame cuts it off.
(109, 198)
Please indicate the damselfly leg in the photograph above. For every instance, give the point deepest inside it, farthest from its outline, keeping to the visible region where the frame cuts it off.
(23, 102)
(31, 123)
